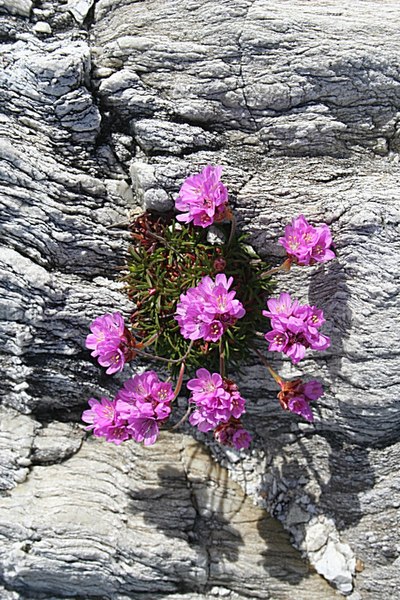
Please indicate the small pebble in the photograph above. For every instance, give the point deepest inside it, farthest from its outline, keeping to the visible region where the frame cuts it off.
(42, 28)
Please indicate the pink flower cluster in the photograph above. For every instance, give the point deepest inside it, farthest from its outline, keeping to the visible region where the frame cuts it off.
(217, 401)
(109, 341)
(232, 434)
(207, 310)
(296, 396)
(306, 244)
(136, 412)
(203, 198)
(294, 327)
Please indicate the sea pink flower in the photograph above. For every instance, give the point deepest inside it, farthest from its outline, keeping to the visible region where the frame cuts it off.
(241, 439)
(312, 390)
(110, 341)
(295, 396)
(105, 328)
(138, 387)
(145, 402)
(294, 327)
(300, 406)
(144, 429)
(111, 356)
(216, 399)
(202, 198)
(233, 434)
(206, 383)
(281, 307)
(104, 420)
(117, 434)
(305, 244)
(207, 310)
(139, 408)
(100, 415)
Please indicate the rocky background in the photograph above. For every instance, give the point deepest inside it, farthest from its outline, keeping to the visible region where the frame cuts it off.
(105, 107)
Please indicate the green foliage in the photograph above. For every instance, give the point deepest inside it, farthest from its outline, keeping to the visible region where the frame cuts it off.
(164, 261)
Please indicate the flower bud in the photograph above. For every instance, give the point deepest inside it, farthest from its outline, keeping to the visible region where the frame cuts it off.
(219, 264)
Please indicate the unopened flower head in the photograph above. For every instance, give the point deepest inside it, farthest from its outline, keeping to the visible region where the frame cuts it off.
(216, 400)
(306, 244)
(203, 198)
(206, 311)
(294, 327)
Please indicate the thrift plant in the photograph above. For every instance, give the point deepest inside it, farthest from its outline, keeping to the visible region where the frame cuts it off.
(198, 307)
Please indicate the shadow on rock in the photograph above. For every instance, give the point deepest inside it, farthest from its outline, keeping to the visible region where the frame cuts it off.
(190, 508)
(328, 290)
(350, 472)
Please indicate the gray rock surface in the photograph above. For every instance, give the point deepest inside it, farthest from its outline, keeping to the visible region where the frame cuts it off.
(107, 109)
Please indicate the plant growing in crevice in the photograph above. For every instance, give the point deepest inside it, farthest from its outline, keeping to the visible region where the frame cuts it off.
(198, 308)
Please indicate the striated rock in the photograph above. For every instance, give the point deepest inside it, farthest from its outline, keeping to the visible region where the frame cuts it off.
(155, 137)
(79, 9)
(183, 519)
(16, 7)
(148, 191)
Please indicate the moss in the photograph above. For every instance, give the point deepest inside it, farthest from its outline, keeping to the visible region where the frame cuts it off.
(165, 259)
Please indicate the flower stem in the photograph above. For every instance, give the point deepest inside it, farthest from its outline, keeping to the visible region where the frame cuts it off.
(233, 229)
(180, 381)
(151, 340)
(170, 361)
(221, 359)
(273, 373)
(285, 266)
(155, 357)
(164, 242)
(188, 351)
(120, 224)
(182, 420)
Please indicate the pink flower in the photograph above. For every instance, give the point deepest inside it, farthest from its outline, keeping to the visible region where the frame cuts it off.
(281, 307)
(137, 411)
(139, 387)
(117, 434)
(217, 399)
(312, 390)
(111, 342)
(104, 420)
(233, 434)
(144, 429)
(294, 327)
(296, 396)
(300, 406)
(202, 198)
(241, 439)
(145, 402)
(206, 383)
(106, 328)
(100, 415)
(207, 310)
(306, 244)
(112, 356)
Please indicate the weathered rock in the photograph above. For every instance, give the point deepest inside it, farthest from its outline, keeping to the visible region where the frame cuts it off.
(182, 525)
(17, 7)
(80, 9)
(42, 27)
